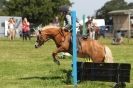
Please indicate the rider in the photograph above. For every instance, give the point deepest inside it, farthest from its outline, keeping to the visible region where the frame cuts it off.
(65, 25)
(67, 21)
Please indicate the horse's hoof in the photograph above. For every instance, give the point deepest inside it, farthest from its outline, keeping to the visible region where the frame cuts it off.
(57, 62)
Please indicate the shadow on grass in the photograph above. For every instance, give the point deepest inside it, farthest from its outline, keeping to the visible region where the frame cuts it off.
(41, 78)
(68, 73)
(66, 80)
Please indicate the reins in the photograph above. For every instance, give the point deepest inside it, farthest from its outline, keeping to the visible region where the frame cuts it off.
(61, 33)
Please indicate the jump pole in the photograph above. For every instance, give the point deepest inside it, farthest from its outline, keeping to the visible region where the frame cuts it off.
(74, 46)
(84, 33)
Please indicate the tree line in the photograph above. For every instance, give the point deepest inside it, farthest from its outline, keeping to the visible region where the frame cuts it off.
(37, 11)
(43, 11)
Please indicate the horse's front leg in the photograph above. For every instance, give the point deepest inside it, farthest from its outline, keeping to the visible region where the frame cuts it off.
(55, 58)
(54, 54)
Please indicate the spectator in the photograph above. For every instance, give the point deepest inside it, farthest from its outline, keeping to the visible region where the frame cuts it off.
(118, 39)
(91, 27)
(11, 29)
(26, 29)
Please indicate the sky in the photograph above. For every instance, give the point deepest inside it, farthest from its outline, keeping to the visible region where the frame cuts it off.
(88, 7)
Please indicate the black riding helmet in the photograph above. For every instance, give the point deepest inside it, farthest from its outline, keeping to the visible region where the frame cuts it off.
(64, 9)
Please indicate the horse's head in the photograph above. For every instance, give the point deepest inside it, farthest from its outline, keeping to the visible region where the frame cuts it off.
(41, 38)
(50, 32)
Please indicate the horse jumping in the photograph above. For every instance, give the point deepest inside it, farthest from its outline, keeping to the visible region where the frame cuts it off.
(87, 48)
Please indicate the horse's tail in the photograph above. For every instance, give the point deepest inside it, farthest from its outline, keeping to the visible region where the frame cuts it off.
(108, 55)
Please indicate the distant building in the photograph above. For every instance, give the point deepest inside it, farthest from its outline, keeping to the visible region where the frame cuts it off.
(122, 20)
(4, 25)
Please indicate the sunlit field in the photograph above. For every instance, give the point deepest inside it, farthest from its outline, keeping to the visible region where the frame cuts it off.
(23, 66)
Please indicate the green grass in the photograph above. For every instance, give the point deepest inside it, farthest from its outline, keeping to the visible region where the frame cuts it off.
(23, 66)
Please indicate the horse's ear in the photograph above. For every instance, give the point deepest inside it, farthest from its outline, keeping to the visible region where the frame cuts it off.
(39, 31)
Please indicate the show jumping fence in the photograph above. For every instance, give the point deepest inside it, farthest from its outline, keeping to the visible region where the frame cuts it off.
(110, 72)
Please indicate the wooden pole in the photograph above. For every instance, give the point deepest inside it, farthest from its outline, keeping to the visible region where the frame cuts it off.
(129, 27)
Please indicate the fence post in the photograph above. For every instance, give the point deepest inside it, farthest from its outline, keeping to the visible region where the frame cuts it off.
(84, 33)
(74, 60)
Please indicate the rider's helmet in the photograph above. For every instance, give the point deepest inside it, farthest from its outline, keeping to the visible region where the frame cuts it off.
(64, 8)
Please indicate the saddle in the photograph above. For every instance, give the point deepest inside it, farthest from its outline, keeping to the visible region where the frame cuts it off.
(79, 39)
(84, 37)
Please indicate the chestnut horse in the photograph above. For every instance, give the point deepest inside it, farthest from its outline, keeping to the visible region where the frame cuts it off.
(87, 48)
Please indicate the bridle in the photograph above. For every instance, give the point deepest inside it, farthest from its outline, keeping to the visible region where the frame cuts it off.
(60, 31)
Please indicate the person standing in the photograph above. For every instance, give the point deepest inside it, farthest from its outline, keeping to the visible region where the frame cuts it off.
(11, 29)
(91, 27)
(26, 29)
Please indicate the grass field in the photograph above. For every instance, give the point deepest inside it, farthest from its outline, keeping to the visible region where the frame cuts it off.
(23, 66)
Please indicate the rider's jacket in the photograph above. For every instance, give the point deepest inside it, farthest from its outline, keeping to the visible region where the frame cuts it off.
(67, 20)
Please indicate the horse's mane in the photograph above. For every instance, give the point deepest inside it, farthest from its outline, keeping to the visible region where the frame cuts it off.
(49, 26)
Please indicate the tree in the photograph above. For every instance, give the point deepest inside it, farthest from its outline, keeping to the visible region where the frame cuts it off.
(1, 3)
(1, 6)
(130, 5)
(110, 6)
(37, 11)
